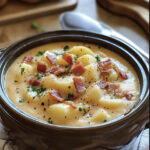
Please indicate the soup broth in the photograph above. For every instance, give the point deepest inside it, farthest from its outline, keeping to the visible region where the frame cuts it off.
(72, 84)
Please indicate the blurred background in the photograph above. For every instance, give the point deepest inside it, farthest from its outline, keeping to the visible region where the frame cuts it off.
(18, 18)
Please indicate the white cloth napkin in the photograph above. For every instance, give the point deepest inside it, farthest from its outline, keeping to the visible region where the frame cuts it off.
(139, 143)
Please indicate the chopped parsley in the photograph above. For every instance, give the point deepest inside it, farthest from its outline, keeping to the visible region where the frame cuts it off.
(38, 76)
(34, 25)
(105, 120)
(17, 90)
(40, 53)
(68, 69)
(58, 54)
(70, 96)
(80, 109)
(84, 111)
(98, 58)
(22, 70)
(21, 100)
(39, 90)
(67, 66)
(66, 48)
(76, 58)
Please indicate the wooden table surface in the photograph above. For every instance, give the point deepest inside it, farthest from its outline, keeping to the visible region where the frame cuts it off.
(16, 31)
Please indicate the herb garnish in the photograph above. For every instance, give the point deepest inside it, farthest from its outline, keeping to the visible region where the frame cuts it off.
(22, 70)
(70, 96)
(57, 54)
(34, 25)
(39, 90)
(80, 109)
(21, 100)
(40, 53)
(66, 48)
(105, 120)
(67, 66)
(98, 58)
(68, 69)
(76, 58)
(84, 111)
(38, 76)
(17, 90)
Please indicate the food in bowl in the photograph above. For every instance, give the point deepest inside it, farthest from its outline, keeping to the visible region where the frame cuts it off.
(72, 84)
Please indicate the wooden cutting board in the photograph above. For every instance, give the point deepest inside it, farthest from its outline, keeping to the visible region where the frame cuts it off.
(16, 10)
(138, 10)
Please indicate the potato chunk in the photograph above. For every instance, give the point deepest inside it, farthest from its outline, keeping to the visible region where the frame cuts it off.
(100, 116)
(110, 103)
(101, 54)
(59, 113)
(87, 60)
(93, 94)
(81, 50)
(91, 74)
(113, 76)
(25, 71)
(64, 86)
(60, 61)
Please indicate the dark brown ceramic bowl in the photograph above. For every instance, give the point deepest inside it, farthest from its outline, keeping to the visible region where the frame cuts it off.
(29, 133)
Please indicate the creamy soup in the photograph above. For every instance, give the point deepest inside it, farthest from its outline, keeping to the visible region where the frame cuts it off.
(72, 84)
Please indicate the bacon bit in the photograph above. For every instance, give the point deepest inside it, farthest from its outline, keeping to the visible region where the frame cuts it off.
(129, 96)
(60, 71)
(119, 93)
(51, 59)
(71, 104)
(79, 85)
(56, 96)
(68, 58)
(105, 64)
(34, 82)
(102, 84)
(116, 69)
(105, 72)
(28, 59)
(41, 68)
(78, 69)
(53, 70)
(112, 87)
(123, 75)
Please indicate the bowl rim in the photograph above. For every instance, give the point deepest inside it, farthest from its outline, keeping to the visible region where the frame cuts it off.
(41, 123)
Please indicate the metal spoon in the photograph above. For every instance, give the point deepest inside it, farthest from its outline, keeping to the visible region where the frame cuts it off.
(73, 20)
